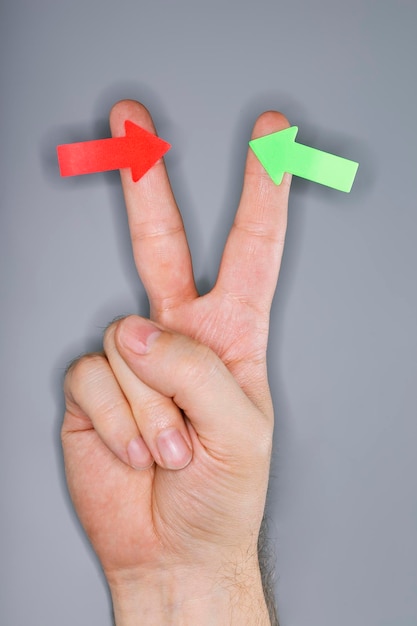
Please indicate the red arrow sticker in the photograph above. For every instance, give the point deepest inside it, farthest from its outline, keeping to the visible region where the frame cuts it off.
(138, 150)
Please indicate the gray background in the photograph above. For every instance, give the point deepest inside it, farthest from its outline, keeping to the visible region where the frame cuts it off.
(343, 496)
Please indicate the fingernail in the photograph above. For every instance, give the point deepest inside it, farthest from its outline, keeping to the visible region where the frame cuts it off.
(139, 456)
(174, 450)
(138, 334)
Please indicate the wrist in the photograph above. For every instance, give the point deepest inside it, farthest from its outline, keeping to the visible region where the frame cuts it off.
(183, 598)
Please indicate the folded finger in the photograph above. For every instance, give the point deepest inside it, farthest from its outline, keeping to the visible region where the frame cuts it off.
(95, 401)
(159, 420)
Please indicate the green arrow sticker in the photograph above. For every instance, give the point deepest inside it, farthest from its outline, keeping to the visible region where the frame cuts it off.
(279, 153)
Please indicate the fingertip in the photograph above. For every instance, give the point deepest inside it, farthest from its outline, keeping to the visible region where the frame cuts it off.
(174, 449)
(136, 335)
(129, 110)
(139, 456)
(269, 122)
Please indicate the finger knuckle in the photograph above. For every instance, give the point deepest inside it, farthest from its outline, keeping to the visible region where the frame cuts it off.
(81, 369)
(200, 366)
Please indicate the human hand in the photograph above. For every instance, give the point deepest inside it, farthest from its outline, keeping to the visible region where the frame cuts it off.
(157, 526)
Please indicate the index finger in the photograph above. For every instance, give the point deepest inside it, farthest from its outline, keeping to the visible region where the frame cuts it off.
(252, 256)
(160, 247)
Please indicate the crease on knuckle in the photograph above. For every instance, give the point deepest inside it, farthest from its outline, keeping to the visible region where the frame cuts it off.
(255, 228)
(150, 404)
(155, 231)
(200, 367)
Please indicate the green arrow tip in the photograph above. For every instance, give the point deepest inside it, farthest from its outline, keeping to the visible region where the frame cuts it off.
(271, 151)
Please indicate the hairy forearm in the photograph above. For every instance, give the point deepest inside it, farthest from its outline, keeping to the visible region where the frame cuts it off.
(267, 567)
(242, 595)
(169, 599)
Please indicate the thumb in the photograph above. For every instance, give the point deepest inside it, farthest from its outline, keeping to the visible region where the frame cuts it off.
(224, 418)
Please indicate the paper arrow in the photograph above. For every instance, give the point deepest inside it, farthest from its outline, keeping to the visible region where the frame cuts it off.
(279, 153)
(138, 150)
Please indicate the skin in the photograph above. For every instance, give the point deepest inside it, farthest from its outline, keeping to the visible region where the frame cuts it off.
(177, 535)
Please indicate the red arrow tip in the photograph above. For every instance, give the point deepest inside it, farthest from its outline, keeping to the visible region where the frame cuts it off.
(138, 150)
(145, 149)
